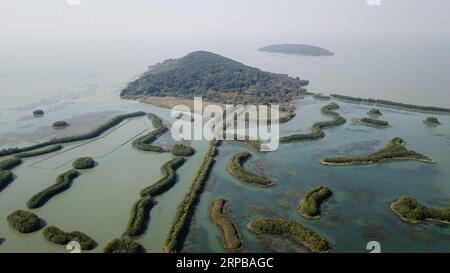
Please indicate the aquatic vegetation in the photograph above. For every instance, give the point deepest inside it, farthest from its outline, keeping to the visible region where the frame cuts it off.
(10, 163)
(431, 121)
(395, 149)
(60, 124)
(38, 112)
(289, 198)
(317, 128)
(182, 150)
(312, 199)
(168, 178)
(410, 210)
(45, 150)
(57, 236)
(187, 206)
(256, 211)
(6, 177)
(375, 232)
(374, 122)
(83, 163)
(392, 104)
(63, 182)
(61, 140)
(235, 168)
(143, 143)
(24, 221)
(374, 112)
(139, 216)
(123, 245)
(321, 97)
(231, 236)
(291, 230)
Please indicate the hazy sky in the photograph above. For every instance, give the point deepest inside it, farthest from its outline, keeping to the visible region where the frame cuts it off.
(47, 22)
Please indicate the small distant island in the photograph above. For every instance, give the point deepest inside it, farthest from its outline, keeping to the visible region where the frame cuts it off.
(60, 124)
(297, 49)
(374, 122)
(374, 112)
(432, 121)
(38, 113)
(393, 150)
(410, 210)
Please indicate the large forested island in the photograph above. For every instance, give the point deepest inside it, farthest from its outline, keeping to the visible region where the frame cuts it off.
(215, 78)
(410, 210)
(297, 49)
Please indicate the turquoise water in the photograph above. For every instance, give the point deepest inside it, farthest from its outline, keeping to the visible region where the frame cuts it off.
(359, 209)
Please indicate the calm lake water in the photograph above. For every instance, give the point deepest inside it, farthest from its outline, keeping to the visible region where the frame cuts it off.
(85, 93)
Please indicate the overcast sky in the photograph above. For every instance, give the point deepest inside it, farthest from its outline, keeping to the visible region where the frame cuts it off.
(54, 21)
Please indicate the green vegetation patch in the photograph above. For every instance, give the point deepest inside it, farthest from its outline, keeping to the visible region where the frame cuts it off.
(393, 150)
(43, 151)
(374, 122)
(139, 216)
(235, 168)
(83, 163)
(168, 178)
(91, 134)
(317, 128)
(24, 221)
(312, 199)
(143, 143)
(374, 112)
(10, 163)
(394, 104)
(60, 124)
(432, 121)
(182, 150)
(187, 206)
(291, 230)
(220, 215)
(123, 245)
(6, 177)
(57, 236)
(409, 209)
(38, 112)
(63, 182)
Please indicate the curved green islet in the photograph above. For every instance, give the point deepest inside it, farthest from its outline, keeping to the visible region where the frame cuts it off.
(393, 150)
(291, 230)
(6, 177)
(235, 168)
(83, 163)
(123, 245)
(311, 201)
(219, 214)
(374, 122)
(63, 182)
(167, 180)
(92, 134)
(10, 163)
(143, 143)
(180, 223)
(410, 210)
(43, 151)
(57, 236)
(317, 128)
(182, 150)
(139, 216)
(24, 221)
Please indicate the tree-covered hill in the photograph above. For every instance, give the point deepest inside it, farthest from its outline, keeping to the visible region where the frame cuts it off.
(214, 78)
